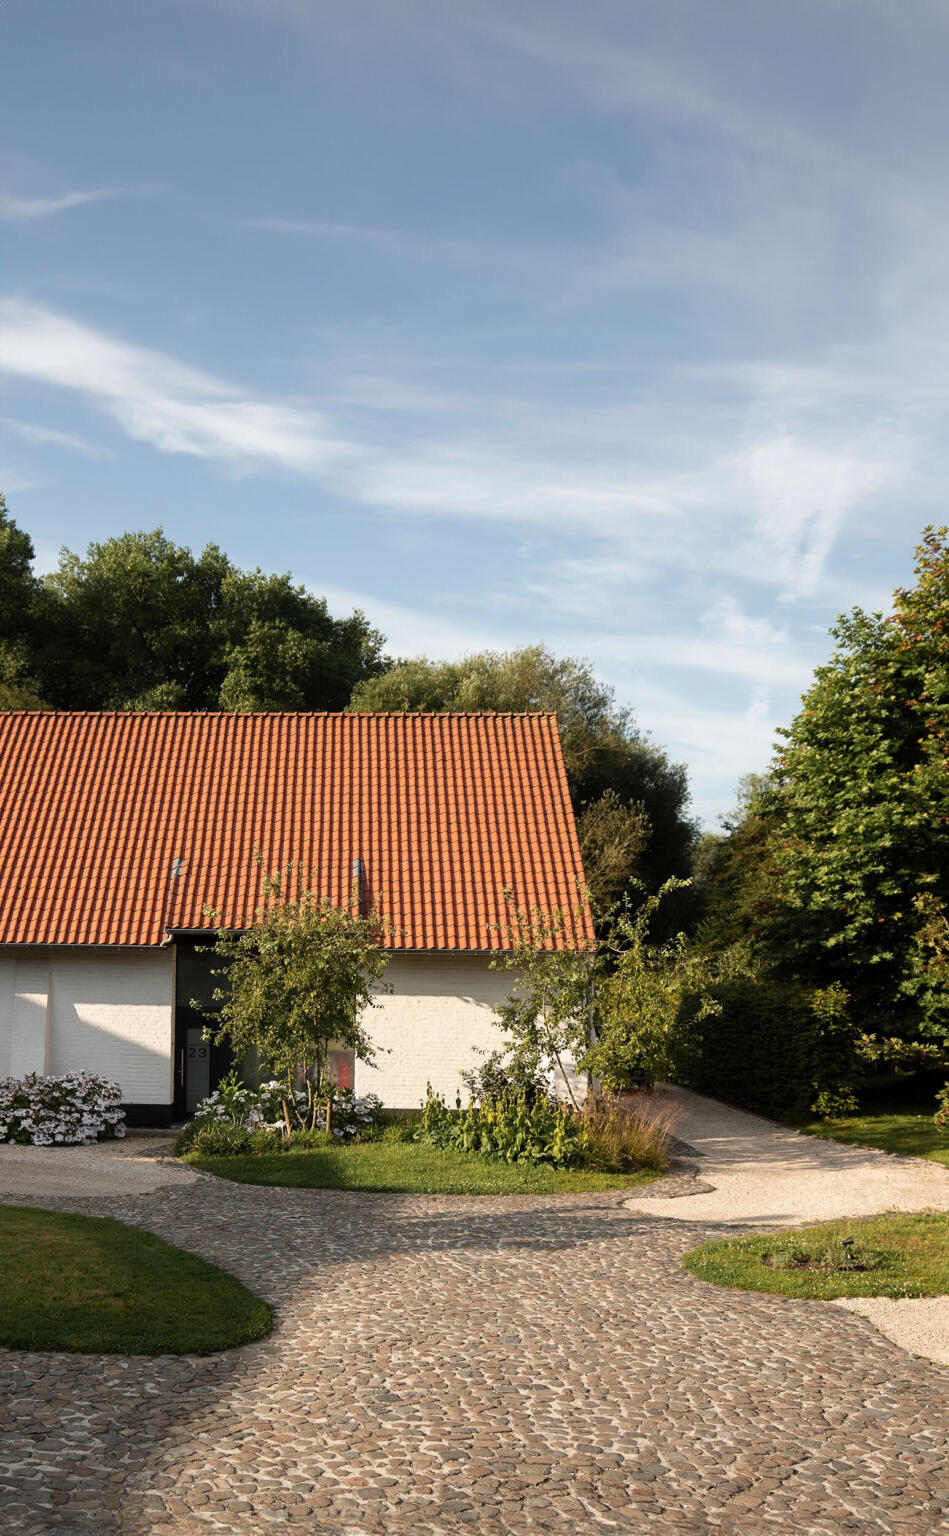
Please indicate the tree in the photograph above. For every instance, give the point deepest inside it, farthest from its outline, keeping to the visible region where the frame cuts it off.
(18, 585)
(734, 873)
(613, 838)
(631, 802)
(650, 999)
(141, 623)
(18, 689)
(860, 802)
(19, 616)
(279, 647)
(547, 1015)
(621, 1008)
(298, 980)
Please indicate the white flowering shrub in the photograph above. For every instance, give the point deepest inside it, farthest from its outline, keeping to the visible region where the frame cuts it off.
(73, 1110)
(355, 1113)
(251, 1110)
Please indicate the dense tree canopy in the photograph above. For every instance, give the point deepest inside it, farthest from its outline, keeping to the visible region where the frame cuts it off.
(631, 802)
(142, 623)
(19, 617)
(861, 804)
(734, 873)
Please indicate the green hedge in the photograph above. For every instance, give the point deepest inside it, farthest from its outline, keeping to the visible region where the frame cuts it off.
(778, 1046)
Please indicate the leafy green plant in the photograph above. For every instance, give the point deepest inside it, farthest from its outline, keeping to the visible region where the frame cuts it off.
(607, 1135)
(217, 1138)
(496, 1076)
(510, 1128)
(310, 1140)
(649, 1002)
(546, 1015)
(401, 1130)
(842, 1257)
(267, 1139)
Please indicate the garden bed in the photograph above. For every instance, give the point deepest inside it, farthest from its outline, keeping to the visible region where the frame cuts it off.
(513, 1143)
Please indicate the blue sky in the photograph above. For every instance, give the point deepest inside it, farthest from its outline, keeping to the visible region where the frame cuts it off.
(623, 326)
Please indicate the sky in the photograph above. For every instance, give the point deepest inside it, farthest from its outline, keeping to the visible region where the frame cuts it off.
(622, 326)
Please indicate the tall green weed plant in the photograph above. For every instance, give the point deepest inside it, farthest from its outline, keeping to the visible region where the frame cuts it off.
(512, 1129)
(608, 1134)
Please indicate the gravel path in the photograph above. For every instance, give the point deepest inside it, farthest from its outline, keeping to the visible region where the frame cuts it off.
(753, 1172)
(493, 1365)
(136, 1165)
(757, 1173)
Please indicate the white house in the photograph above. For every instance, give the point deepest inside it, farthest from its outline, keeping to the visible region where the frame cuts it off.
(121, 833)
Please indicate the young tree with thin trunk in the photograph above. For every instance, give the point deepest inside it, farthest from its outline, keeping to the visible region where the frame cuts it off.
(297, 982)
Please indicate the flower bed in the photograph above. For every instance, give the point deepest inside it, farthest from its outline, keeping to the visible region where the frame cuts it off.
(76, 1109)
(236, 1120)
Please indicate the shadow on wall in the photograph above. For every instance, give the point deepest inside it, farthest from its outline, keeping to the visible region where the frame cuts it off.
(102, 1011)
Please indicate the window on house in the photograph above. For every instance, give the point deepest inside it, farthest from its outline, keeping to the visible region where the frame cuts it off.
(341, 1066)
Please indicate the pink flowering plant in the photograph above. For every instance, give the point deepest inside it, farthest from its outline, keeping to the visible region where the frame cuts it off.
(75, 1109)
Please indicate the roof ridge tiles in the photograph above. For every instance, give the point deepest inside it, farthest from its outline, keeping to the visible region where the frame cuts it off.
(280, 714)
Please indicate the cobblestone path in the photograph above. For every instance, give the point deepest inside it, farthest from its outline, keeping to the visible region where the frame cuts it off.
(482, 1365)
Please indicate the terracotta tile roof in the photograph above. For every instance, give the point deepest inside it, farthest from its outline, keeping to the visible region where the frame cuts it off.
(443, 810)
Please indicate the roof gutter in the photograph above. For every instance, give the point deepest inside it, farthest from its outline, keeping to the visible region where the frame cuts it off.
(171, 934)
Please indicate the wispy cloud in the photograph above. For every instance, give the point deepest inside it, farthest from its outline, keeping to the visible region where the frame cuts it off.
(728, 642)
(720, 743)
(410, 244)
(33, 432)
(23, 210)
(472, 479)
(158, 400)
(641, 251)
(801, 493)
(782, 499)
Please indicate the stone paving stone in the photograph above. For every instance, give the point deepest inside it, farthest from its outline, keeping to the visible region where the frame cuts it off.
(496, 1365)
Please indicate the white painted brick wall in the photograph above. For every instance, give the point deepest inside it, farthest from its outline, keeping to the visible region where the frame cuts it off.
(7, 995)
(441, 1007)
(29, 1045)
(111, 1012)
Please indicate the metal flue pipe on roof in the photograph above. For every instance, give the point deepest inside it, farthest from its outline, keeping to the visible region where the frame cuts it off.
(359, 885)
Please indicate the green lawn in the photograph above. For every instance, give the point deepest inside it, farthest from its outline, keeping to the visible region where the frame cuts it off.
(892, 1129)
(94, 1285)
(910, 1254)
(410, 1167)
